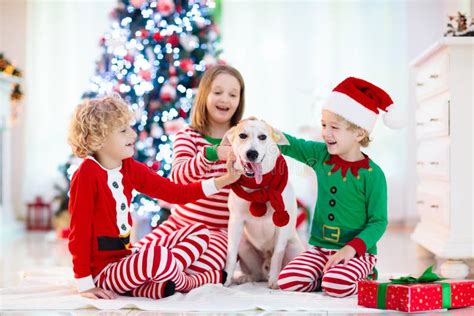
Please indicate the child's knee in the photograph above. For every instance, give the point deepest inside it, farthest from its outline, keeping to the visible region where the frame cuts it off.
(334, 286)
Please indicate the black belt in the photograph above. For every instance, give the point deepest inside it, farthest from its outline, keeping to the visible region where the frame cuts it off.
(113, 243)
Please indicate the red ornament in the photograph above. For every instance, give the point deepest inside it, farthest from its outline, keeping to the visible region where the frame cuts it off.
(157, 36)
(172, 127)
(167, 93)
(172, 71)
(187, 65)
(39, 215)
(143, 135)
(182, 113)
(156, 165)
(129, 58)
(145, 74)
(143, 33)
(174, 81)
(165, 7)
(173, 39)
(137, 3)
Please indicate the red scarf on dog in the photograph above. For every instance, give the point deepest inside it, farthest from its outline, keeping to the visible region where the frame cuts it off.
(269, 190)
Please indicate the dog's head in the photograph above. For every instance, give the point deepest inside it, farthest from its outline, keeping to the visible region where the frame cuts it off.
(254, 143)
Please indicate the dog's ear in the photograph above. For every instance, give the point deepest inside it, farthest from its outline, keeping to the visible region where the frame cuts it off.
(228, 137)
(279, 137)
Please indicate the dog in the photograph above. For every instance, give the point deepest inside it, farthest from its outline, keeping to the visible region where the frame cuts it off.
(262, 247)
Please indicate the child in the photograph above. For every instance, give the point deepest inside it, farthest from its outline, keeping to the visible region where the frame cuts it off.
(219, 105)
(101, 190)
(351, 210)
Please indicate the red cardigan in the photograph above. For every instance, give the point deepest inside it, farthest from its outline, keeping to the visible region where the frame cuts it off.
(100, 217)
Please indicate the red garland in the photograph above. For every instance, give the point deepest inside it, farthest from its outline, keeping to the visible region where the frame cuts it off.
(344, 165)
(270, 190)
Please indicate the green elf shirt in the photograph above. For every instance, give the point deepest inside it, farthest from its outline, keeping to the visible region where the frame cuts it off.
(352, 198)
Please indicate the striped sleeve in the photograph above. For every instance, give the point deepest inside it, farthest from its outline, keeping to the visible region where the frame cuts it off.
(189, 163)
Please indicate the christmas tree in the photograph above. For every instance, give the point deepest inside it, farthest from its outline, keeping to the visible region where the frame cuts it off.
(153, 56)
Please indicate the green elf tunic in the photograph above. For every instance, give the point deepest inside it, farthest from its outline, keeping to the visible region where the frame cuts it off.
(352, 198)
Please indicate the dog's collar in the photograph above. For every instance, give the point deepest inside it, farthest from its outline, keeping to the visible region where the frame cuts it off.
(345, 165)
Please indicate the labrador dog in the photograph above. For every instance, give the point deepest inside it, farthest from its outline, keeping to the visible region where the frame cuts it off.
(262, 247)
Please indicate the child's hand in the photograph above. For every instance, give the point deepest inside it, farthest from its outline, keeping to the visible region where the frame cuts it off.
(233, 174)
(223, 152)
(97, 292)
(344, 254)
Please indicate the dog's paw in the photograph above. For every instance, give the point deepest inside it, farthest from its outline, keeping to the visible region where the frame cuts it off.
(244, 279)
(273, 283)
(228, 282)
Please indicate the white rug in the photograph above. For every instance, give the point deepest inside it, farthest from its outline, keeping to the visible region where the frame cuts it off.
(53, 289)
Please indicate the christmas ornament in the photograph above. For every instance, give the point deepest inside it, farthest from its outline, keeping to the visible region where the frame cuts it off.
(165, 7)
(167, 93)
(189, 42)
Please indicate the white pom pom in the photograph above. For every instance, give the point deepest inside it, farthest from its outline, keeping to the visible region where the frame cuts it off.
(394, 118)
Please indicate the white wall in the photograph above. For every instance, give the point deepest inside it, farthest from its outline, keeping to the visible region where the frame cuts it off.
(292, 53)
(61, 44)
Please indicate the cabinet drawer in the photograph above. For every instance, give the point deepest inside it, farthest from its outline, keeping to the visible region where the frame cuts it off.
(432, 117)
(432, 201)
(432, 77)
(433, 158)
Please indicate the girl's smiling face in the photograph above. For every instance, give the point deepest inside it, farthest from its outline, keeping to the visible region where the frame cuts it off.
(223, 99)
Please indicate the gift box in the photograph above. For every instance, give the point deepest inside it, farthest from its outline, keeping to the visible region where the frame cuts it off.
(408, 294)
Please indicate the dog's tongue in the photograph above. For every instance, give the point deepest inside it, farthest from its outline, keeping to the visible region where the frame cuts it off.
(257, 170)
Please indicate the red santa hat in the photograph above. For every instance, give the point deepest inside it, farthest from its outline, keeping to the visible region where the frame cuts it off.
(359, 102)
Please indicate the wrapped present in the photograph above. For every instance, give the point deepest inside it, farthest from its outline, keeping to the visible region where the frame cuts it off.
(409, 294)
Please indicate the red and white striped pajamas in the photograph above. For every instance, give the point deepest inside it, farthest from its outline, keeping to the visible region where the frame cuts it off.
(190, 165)
(146, 272)
(304, 272)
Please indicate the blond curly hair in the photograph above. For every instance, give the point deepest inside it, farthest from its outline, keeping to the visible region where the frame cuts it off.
(94, 120)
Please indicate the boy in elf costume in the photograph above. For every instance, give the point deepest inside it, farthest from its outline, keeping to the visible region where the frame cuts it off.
(101, 191)
(351, 210)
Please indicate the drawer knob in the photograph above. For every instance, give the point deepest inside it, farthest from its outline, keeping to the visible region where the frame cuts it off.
(434, 206)
(420, 124)
(433, 76)
(419, 84)
(434, 163)
(421, 163)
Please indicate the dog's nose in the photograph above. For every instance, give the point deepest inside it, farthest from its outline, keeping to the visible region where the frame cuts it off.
(252, 155)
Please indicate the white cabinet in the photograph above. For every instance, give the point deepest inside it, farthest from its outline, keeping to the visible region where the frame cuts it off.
(444, 92)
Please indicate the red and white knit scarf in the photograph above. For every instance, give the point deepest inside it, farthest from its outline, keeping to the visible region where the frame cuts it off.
(269, 190)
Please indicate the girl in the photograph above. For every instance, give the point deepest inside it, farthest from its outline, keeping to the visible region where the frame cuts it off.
(219, 105)
(101, 190)
(351, 211)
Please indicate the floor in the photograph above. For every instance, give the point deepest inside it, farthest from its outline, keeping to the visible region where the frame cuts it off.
(21, 250)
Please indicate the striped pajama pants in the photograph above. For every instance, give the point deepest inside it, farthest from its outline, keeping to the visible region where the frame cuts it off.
(148, 271)
(212, 259)
(304, 273)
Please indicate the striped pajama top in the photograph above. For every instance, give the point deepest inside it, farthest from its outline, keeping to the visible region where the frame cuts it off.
(190, 165)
